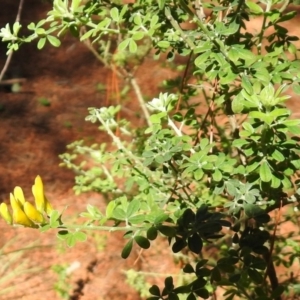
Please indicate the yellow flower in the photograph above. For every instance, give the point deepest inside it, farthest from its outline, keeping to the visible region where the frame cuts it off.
(5, 213)
(32, 213)
(41, 202)
(23, 212)
(20, 218)
(15, 203)
(19, 195)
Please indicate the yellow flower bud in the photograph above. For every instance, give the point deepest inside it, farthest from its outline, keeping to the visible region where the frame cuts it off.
(15, 204)
(32, 213)
(19, 195)
(38, 193)
(19, 217)
(5, 213)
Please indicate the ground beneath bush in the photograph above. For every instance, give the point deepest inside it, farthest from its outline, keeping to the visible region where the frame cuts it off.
(37, 123)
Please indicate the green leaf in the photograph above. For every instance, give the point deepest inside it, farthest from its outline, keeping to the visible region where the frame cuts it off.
(201, 59)
(119, 214)
(75, 5)
(156, 118)
(276, 182)
(41, 43)
(166, 230)
(138, 36)
(63, 234)
(137, 19)
(217, 175)
(31, 26)
(278, 156)
(203, 47)
(87, 35)
(188, 269)
(123, 45)
(224, 29)
(263, 75)
(246, 84)
(163, 44)
(54, 41)
(255, 276)
(137, 219)
(265, 172)
(277, 292)
(142, 241)
(247, 126)
(127, 249)
(152, 233)
(132, 46)
(237, 104)
(289, 123)
(191, 296)
(195, 243)
(54, 219)
(216, 274)
(72, 238)
(161, 4)
(229, 78)
(114, 13)
(255, 8)
(132, 208)
(169, 283)
(203, 293)
(234, 278)
(225, 266)
(178, 245)
(173, 296)
(80, 236)
(160, 218)
(110, 209)
(239, 143)
(252, 210)
(296, 88)
(154, 290)
(198, 174)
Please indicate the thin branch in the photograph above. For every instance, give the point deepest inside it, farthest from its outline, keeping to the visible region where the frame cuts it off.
(9, 57)
(141, 100)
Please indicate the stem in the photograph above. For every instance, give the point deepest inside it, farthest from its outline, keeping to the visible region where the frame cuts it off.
(263, 27)
(271, 272)
(177, 131)
(100, 228)
(140, 98)
(135, 161)
(243, 290)
(9, 57)
(178, 28)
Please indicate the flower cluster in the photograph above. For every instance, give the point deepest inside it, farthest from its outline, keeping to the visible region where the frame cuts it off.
(23, 212)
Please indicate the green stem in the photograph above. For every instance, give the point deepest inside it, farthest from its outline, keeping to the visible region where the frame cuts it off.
(100, 228)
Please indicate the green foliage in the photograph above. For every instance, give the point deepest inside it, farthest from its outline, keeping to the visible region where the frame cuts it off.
(185, 176)
(62, 285)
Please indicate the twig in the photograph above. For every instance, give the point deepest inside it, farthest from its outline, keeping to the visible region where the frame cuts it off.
(141, 100)
(9, 57)
(12, 81)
